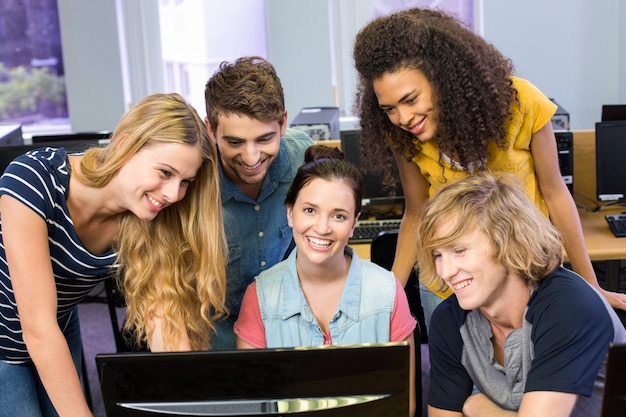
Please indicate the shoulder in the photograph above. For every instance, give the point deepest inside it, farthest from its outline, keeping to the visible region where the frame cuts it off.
(369, 270)
(565, 300)
(41, 168)
(42, 159)
(296, 142)
(531, 97)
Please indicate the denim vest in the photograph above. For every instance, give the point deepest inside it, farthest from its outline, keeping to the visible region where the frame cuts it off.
(363, 314)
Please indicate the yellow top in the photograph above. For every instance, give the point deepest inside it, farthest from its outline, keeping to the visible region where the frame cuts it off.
(532, 112)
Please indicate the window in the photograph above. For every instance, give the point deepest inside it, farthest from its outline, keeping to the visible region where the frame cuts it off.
(32, 84)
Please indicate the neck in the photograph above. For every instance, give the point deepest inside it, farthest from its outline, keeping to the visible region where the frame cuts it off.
(323, 273)
(507, 313)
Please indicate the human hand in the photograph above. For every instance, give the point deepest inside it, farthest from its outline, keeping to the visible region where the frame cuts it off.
(616, 299)
(479, 405)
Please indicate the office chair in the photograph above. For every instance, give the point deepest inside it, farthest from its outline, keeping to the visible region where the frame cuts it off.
(382, 252)
(115, 300)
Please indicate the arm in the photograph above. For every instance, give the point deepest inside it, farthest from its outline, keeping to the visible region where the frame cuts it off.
(33, 284)
(563, 211)
(538, 403)
(156, 341)
(249, 327)
(437, 412)
(415, 189)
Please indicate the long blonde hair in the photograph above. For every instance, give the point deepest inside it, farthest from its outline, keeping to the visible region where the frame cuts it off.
(177, 260)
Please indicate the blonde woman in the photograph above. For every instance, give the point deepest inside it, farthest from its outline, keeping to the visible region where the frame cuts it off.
(149, 203)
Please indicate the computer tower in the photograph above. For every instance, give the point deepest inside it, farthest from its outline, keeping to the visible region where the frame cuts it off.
(565, 149)
(320, 123)
(560, 119)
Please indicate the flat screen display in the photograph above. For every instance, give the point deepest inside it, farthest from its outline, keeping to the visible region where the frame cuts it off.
(370, 380)
(611, 161)
(374, 193)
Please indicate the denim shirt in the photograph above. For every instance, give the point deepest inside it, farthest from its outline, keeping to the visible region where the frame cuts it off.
(256, 230)
(363, 314)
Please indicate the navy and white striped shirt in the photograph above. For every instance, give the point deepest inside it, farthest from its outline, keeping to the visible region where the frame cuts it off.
(40, 180)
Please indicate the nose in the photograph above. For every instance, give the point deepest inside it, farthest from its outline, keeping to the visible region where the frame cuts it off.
(250, 155)
(172, 192)
(446, 268)
(321, 225)
(404, 116)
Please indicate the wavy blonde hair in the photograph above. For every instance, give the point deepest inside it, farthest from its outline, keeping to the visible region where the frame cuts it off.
(177, 260)
(524, 240)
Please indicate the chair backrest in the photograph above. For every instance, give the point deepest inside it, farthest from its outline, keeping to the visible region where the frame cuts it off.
(383, 252)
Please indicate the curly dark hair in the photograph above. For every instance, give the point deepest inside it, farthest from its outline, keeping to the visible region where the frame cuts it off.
(470, 79)
(249, 86)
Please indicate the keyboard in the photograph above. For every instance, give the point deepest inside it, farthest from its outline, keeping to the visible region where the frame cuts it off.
(367, 230)
(617, 224)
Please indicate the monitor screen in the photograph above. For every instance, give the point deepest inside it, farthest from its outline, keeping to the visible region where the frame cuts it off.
(613, 112)
(610, 164)
(68, 137)
(11, 134)
(327, 381)
(374, 193)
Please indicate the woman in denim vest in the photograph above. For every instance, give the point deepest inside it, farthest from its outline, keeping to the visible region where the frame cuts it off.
(323, 293)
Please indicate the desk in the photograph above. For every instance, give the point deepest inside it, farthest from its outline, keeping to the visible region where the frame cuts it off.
(602, 245)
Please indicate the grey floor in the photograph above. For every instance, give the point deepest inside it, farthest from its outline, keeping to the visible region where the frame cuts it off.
(97, 335)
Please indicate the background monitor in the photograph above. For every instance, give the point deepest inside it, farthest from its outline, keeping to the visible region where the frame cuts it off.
(328, 381)
(374, 193)
(613, 112)
(67, 137)
(11, 134)
(610, 161)
(9, 153)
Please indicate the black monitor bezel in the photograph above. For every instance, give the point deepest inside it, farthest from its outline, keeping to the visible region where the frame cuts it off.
(609, 166)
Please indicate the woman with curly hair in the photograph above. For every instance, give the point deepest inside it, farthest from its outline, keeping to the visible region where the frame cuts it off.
(146, 205)
(445, 103)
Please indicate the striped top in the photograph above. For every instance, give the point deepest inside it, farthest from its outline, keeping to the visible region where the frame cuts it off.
(40, 179)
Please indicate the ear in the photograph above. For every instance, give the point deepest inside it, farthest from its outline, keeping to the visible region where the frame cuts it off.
(210, 130)
(283, 124)
(356, 219)
(290, 216)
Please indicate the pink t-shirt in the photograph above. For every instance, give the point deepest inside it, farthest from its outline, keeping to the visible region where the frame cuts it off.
(249, 326)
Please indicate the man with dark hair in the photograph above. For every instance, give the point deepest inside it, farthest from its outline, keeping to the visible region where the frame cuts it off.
(259, 156)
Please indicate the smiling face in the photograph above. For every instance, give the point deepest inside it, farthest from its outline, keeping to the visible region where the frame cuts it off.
(469, 267)
(156, 177)
(247, 148)
(323, 219)
(406, 97)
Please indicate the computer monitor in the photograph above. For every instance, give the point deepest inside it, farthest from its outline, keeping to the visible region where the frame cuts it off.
(327, 381)
(610, 161)
(76, 136)
(613, 112)
(9, 153)
(374, 192)
(11, 134)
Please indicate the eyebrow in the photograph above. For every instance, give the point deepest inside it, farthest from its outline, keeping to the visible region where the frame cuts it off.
(402, 99)
(171, 168)
(262, 136)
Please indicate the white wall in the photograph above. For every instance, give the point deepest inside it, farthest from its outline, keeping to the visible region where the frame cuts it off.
(299, 48)
(93, 71)
(570, 49)
(574, 50)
